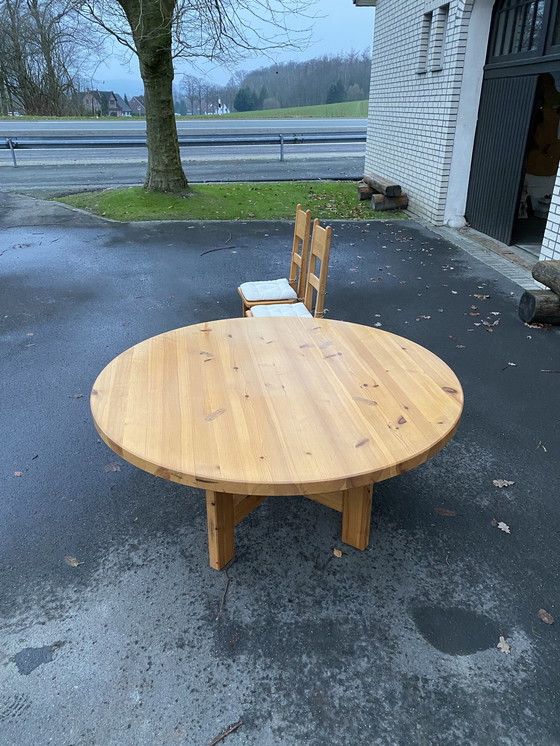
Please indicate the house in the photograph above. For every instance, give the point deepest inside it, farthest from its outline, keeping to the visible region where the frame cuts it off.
(105, 103)
(464, 114)
(137, 106)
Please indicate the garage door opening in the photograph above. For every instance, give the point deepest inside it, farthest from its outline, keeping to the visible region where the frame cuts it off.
(541, 165)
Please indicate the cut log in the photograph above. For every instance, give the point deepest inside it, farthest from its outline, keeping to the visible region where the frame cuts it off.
(548, 272)
(383, 186)
(540, 306)
(380, 202)
(364, 190)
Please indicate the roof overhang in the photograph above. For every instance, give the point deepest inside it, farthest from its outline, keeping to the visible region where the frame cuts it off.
(365, 3)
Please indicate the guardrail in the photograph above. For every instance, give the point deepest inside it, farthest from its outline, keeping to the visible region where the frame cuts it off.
(19, 143)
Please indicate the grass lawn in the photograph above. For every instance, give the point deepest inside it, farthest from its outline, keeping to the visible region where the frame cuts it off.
(346, 109)
(327, 200)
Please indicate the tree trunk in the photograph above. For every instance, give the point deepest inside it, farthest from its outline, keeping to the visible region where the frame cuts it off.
(165, 172)
(541, 306)
(548, 272)
(151, 22)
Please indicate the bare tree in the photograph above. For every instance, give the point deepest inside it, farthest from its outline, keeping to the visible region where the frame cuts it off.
(159, 30)
(189, 87)
(43, 54)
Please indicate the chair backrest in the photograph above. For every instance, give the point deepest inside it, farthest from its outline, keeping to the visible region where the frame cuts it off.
(317, 282)
(300, 251)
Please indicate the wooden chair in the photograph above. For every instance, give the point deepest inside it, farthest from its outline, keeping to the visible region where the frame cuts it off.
(284, 290)
(315, 286)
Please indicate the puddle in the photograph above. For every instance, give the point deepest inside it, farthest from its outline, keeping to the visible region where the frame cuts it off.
(456, 631)
(29, 659)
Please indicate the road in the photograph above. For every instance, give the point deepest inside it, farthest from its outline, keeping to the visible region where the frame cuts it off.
(128, 127)
(55, 170)
(142, 643)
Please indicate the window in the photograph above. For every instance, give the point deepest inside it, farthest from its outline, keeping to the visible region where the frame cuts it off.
(425, 42)
(555, 30)
(432, 39)
(517, 28)
(439, 32)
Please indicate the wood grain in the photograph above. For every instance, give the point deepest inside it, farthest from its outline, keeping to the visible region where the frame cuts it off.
(276, 406)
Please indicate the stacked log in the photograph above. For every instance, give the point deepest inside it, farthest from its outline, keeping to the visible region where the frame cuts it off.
(384, 194)
(543, 306)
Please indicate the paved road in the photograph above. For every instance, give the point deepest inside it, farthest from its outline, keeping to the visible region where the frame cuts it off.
(141, 644)
(46, 181)
(46, 156)
(39, 168)
(129, 127)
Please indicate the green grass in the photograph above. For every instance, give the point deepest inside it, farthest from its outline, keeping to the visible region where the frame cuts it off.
(347, 109)
(233, 201)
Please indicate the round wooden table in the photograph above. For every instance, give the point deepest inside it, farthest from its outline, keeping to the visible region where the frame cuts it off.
(248, 408)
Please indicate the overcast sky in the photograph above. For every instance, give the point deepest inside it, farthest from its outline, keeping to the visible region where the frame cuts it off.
(341, 27)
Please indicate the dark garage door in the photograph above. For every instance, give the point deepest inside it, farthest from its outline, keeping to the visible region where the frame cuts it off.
(504, 119)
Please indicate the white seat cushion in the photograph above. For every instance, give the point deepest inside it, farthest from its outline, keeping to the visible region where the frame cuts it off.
(268, 290)
(279, 309)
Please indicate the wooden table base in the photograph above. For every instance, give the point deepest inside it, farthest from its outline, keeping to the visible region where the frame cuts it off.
(225, 510)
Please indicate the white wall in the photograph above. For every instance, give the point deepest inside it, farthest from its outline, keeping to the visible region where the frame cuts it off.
(421, 125)
(475, 32)
(551, 241)
(413, 115)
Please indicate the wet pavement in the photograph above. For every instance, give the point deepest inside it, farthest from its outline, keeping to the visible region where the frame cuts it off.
(115, 631)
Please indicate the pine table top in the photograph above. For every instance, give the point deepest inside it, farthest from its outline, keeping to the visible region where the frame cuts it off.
(276, 406)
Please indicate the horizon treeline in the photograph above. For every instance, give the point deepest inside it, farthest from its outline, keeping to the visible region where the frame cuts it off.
(328, 79)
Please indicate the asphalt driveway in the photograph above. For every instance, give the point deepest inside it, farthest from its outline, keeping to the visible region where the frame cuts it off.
(136, 642)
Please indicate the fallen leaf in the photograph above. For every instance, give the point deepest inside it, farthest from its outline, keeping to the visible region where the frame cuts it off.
(112, 467)
(502, 483)
(503, 645)
(545, 617)
(337, 553)
(504, 527)
(72, 561)
(513, 364)
(445, 512)
(18, 474)
(481, 297)
(76, 396)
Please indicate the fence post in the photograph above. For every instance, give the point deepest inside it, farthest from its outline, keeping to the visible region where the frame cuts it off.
(11, 145)
(281, 147)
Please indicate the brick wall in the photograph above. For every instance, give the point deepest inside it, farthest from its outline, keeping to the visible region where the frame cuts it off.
(418, 61)
(417, 65)
(551, 241)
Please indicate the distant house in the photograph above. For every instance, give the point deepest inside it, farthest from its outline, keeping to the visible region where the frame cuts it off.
(106, 104)
(464, 114)
(137, 106)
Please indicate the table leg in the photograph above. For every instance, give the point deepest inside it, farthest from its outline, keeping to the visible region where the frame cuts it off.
(356, 516)
(221, 541)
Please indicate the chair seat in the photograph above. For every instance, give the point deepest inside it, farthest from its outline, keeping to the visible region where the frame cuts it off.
(267, 290)
(291, 309)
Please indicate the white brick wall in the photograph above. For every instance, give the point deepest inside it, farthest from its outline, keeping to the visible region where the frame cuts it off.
(551, 241)
(412, 115)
